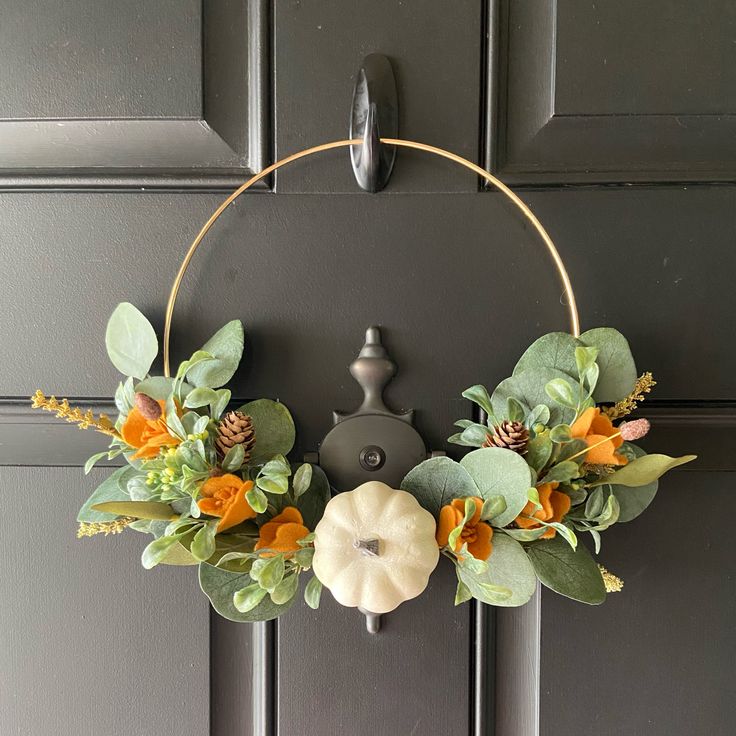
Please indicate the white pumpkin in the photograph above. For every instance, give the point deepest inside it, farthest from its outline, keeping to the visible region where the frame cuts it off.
(375, 547)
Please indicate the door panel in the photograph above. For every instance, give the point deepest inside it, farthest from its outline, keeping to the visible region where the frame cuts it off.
(91, 646)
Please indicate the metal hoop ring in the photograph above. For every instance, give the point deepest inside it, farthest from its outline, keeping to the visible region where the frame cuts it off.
(523, 208)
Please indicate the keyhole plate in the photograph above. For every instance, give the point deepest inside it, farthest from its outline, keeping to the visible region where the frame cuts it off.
(370, 447)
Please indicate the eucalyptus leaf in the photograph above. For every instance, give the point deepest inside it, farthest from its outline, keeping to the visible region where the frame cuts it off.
(274, 429)
(555, 350)
(508, 568)
(499, 472)
(113, 488)
(474, 435)
(221, 585)
(515, 412)
(617, 368)
(226, 345)
(131, 341)
(436, 482)
(220, 403)
(572, 573)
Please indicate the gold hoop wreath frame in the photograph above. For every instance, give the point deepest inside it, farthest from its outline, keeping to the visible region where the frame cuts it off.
(572, 310)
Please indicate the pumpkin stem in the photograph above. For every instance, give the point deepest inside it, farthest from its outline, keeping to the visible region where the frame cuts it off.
(369, 547)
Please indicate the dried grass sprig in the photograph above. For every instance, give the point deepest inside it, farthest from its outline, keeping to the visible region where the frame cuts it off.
(85, 420)
(643, 386)
(90, 529)
(613, 583)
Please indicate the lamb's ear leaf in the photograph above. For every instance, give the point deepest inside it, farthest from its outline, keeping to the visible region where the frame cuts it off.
(131, 341)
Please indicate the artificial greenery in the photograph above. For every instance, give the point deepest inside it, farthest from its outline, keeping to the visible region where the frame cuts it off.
(545, 465)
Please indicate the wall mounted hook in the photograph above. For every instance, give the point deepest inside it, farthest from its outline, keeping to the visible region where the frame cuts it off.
(375, 113)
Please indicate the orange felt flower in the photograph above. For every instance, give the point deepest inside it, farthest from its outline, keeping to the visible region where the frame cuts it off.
(224, 496)
(476, 533)
(594, 428)
(554, 507)
(147, 435)
(282, 533)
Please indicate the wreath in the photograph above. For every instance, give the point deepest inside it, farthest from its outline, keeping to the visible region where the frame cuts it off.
(553, 459)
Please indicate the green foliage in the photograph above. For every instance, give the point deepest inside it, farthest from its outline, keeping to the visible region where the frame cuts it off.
(157, 550)
(632, 501)
(479, 395)
(136, 509)
(313, 592)
(507, 568)
(226, 347)
(572, 573)
(617, 368)
(273, 477)
(113, 488)
(528, 387)
(311, 503)
(457, 531)
(233, 460)
(203, 544)
(492, 507)
(562, 472)
(561, 433)
(539, 451)
(499, 472)
(160, 388)
(302, 479)
(643, 470)
(220, 586)
(436, 482)
(555, 350)
(462, 593)
(131, 341)
(274, 429)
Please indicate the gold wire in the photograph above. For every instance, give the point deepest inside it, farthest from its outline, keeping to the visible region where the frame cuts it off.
(523, 208)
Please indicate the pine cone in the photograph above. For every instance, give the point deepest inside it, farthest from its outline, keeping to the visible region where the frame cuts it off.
(235, 428)
(510, 436)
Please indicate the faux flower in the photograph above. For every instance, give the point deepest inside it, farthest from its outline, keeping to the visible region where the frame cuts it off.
(147, 435)
(595, 428)
(282, 533)
(224, 496)
(554, 507)
(476, 533)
